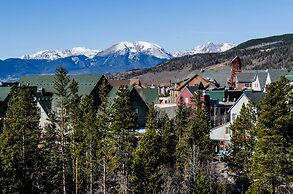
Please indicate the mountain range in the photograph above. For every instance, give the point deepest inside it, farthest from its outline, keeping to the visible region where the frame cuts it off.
(262, 53)
(119, 57)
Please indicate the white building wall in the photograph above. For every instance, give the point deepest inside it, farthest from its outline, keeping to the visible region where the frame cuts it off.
(235, 110)
(268, 81)
(256, 85)
(44, 117)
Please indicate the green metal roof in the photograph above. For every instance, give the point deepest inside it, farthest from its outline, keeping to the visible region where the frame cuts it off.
(86, 83)
(256, 97)
(149, 95)
(195, 88)
(275, 74)
(4, 91)
(113, 94)
(216, 94)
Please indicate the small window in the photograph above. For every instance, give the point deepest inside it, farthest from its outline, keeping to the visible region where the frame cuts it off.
(136, 110)
(227, 130)
(233, 116)
(186, 100)
(248, 85)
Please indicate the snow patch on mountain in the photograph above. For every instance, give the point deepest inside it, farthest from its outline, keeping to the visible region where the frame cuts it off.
(55, 54)
(206, 48)
(136, 48)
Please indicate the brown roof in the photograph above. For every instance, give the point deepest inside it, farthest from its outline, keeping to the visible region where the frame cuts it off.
(119, 82)
(131, 82)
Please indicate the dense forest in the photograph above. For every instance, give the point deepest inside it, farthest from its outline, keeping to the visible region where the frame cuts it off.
(87, 149)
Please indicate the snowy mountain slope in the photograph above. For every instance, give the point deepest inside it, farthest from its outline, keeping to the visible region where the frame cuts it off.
(206, 48)
(55, 54)
(136, 48)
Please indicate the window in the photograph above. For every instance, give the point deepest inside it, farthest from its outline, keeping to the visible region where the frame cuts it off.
(186, 100)
(227, 130)
(247, 85)
(233, 116)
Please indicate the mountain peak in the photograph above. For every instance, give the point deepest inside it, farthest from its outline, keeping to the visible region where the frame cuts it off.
(210, 47)
(135, 48)
(56, 54)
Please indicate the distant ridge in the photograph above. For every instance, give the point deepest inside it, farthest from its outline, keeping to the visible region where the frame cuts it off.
(288, 38)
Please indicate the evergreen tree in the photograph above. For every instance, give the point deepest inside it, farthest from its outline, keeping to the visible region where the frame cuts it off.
(243, 142)
(181, 120)
(62, 121)
(19, 154)
(147, 157)
(123, 141)
(74, 117)
(87, 146)
(102, 123)
(52, 162)
(167, 134)
(272, 161)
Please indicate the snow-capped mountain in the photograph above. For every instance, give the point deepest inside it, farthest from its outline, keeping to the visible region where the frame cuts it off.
(135, 48)
(55, 54)
(131, 55)
(206, 48)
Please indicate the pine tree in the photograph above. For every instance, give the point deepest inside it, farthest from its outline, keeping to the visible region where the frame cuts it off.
(74, 117)
(123, 141)
(243, 142)
(52, 162)
(19, 144)
(88, 145)
(181, 120)
(147, 158)
(61, 119)
(167, 134)
(272, 161)
(102, 123)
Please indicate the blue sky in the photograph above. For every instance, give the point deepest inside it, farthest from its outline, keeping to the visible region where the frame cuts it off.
(27, 26)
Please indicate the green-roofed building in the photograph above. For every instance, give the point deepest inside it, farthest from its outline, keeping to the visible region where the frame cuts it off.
(42, 87)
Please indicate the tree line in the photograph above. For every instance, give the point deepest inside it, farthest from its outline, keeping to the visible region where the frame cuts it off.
(88, 149)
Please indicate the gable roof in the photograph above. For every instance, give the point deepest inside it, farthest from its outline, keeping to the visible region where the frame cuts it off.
(275, 74)
(246, 76)
(4, 91)
(262, 77)
(218, 76)
(256, 97)
(149, 95)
